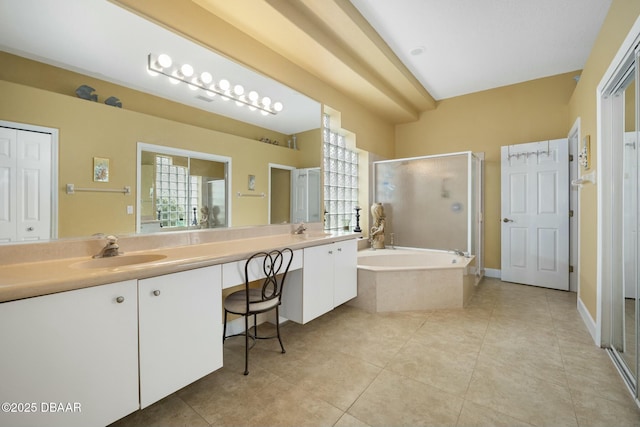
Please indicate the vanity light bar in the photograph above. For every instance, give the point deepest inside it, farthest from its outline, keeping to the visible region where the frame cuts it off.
(162, 64)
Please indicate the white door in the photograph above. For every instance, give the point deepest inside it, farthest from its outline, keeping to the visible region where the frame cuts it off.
(299, 205)
(25, 177)
(535, 213)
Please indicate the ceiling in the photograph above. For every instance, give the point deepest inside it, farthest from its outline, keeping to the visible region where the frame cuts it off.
(466, 46)
(362, 48)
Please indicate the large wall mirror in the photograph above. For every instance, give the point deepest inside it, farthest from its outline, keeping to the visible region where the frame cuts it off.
(218, 129)
(181, 189)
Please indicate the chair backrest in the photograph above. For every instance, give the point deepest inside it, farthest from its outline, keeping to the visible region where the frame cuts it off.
(273, 264)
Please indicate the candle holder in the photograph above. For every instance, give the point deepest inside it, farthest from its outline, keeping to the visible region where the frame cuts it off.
(357, 228)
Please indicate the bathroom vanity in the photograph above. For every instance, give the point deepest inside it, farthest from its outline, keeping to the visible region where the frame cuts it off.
(85, 344)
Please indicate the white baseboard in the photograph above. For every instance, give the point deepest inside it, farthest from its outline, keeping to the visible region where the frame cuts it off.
(588, 321)
(492, 272)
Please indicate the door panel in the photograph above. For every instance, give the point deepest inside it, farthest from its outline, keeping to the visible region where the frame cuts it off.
(535, 214)
(34, 197)
(8, 141)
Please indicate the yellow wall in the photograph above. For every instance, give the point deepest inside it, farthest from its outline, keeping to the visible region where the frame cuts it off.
(483, 122)
(89, 129)
(621, 16)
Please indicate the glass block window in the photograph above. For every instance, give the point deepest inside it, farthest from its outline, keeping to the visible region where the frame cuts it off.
(172, 196)
(340, 180)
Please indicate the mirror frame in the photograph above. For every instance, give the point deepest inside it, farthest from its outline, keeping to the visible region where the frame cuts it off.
(163, 149)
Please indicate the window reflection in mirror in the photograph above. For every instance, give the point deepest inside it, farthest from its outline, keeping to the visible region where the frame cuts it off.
(181, 190)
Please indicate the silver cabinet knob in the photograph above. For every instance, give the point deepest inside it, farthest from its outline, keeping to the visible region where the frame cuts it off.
(330, 252)
(507, 220)
(156, 292)
(120, 300)
(29, 228)
(339, 249)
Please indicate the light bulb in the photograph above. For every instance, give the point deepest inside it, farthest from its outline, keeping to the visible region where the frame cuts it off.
(253, 96)
(164, 61)
(278, 106)
(266, 101)
(211, 92)
(224, 85)
(264, 113)
(238, 90)
(206, 78)
(186, 70)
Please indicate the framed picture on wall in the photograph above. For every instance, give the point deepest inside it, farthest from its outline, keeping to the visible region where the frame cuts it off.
(100, 169)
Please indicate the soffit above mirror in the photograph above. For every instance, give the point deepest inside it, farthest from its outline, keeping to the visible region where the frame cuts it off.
(100, 39)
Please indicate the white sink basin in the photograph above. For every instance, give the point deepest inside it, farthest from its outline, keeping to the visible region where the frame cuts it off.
(306, 236)
(118, 261)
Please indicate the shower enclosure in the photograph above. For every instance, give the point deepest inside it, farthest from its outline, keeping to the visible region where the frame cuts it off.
(433, 202)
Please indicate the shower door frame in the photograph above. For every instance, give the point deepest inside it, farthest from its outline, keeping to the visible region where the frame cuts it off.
(479, 209)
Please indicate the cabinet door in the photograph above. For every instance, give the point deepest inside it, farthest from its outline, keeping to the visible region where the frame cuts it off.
(345, 285)
(180, 321)
(317, 280)
(70, 358)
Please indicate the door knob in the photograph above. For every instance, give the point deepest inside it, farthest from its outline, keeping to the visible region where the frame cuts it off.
(507, 220)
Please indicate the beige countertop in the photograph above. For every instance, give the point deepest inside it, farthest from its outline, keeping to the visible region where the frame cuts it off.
(30, 279)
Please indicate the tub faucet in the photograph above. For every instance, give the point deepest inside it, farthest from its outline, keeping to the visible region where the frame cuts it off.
(458, 252)
(301, 229)
(110, 249)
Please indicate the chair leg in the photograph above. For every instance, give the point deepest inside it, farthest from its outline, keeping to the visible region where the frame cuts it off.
(224, 330)
(255, 326)
(278, 329)
(246, 345)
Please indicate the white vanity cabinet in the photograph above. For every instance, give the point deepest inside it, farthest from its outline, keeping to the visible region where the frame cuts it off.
(329, 278)
(345, 271)
(180, 321)
(71, 358)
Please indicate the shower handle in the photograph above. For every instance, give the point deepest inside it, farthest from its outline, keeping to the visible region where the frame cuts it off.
(507, 220)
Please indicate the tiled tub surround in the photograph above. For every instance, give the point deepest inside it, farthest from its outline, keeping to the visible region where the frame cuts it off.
(412, 279)
(33, 269)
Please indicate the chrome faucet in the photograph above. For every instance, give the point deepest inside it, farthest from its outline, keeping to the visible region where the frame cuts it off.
(301, 229)
(460, 253)
(110, 249)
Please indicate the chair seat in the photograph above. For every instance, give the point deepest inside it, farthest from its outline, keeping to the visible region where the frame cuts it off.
(236, 302)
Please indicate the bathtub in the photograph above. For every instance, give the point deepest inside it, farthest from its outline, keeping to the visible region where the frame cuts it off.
(412, 279)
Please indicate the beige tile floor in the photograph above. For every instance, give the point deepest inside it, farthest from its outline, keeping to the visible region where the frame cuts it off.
(516, 356)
